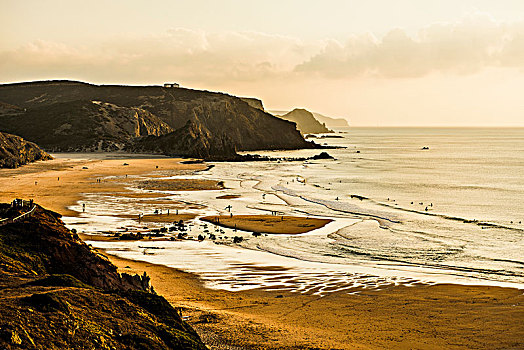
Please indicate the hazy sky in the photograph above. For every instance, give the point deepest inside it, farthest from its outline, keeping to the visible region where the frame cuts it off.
(374, 62)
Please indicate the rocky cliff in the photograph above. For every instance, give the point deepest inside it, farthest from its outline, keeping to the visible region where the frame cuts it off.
(306, 122)
(78, 116)
(57, 293)
(191, 140)
(253, 102)
(15, 151)
(82, 125)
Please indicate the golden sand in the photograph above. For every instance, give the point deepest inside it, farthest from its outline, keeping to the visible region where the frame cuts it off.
(60, 183)
(268, 223)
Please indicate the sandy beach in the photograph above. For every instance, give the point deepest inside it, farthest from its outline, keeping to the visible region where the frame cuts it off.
(398, 317)
(395, 317)
(59, 183)
(274, 224)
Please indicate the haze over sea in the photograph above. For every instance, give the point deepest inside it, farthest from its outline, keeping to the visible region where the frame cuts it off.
(451, 213)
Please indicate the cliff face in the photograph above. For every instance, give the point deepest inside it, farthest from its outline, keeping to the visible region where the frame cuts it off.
(245, 127)
(56, 293)
(306, 122)
(15, 151)
(83, 125)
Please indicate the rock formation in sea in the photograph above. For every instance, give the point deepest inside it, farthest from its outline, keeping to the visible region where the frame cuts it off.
(56, 292)
(306, 122)
(75, 116)
(15, 151)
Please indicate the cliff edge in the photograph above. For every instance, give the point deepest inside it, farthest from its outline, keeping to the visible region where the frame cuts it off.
(15, 151)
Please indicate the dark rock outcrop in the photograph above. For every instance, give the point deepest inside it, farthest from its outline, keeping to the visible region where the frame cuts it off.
(15, 151)
(83, 124)
(306, 122)
(191, 140)
(259, 158)
(58, 293)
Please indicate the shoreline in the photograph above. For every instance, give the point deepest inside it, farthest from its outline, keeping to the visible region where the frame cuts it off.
(423, 316)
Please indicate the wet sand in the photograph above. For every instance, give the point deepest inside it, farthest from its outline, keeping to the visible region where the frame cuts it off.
(398, 317)
(161, 218)
(275, 224)
(422, 317)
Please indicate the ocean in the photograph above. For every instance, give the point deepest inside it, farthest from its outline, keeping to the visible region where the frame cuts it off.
(410, 206)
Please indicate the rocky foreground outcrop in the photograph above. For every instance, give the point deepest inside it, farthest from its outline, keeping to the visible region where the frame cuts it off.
(69, 116)
(57, 293)
(306, 122)
(15, 151)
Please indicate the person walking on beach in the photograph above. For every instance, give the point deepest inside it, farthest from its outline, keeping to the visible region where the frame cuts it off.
(83, 207)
